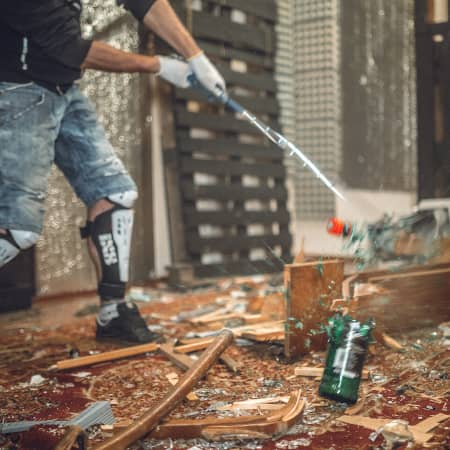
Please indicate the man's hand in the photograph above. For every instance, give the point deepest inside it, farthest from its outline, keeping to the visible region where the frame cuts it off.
(207, 74)
(174, 71)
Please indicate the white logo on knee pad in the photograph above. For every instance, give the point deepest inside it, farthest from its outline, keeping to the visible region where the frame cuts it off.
(108, 249)
(122, 225)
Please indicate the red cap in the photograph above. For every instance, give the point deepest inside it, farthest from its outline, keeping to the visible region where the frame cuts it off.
(338, 227)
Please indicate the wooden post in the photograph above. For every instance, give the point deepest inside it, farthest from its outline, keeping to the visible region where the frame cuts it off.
(309, 288)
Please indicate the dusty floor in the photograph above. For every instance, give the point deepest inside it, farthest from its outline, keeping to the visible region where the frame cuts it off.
(410, 385)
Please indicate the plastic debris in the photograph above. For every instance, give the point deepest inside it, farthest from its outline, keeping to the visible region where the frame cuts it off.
(285, 444)
(396, 432)
(36, 380)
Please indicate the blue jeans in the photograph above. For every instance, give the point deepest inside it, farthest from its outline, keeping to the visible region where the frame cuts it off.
(39, 127)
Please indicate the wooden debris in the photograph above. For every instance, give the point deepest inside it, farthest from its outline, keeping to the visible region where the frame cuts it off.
(236, 433)
(199, 344)
(391, 343)
(316, 372)
(193, 345)
(104, 357)
(214, 317)
(417, 285)
(231, 363)
(356, 409)
(73, 435)
(174, 379)
(310, 288)
(419, 431)
(256, 403)
(215, 428)
(149, 420)
(300, 256)
(184, 362)
(276, 333)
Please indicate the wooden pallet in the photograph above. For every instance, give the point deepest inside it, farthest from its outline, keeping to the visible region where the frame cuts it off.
(226, 184)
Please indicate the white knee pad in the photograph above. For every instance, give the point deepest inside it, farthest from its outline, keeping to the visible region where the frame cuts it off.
(125, 199)
(13, 241)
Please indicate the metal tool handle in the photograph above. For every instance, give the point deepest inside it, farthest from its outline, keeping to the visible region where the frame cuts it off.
(221, 97)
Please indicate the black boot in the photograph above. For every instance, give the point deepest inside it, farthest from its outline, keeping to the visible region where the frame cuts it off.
(128, 326)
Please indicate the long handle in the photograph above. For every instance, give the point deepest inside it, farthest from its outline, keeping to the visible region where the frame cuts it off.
(278, 139)
(149, 420)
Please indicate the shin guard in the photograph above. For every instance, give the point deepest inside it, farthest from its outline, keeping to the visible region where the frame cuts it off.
(111, 234)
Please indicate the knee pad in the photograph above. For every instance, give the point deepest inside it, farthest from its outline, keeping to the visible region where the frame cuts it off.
(111, 234)
(13, 241)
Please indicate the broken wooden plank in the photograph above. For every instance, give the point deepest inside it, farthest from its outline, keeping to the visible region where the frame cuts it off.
(231, 363)
(182, 361)
(255, 403)
(199, 344)
(419, 431)
(316, 372)
(391, 343)
(273, 423)
(414, 287)
(310, 289)
(104, 357)
(265, 335)
(150, 419)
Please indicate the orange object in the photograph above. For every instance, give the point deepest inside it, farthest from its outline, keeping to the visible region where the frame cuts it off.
(338, 227)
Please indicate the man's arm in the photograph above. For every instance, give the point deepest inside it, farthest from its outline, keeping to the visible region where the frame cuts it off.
(102, 56)
(159, 16)
(162, 19)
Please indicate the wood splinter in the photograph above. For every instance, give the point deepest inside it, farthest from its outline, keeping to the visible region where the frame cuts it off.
(150, 419)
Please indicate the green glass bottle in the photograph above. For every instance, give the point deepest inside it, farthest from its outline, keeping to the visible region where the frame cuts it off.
(348, 341)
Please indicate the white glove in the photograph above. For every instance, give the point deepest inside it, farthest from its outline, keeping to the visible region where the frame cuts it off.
(174, 71)
(207, 74)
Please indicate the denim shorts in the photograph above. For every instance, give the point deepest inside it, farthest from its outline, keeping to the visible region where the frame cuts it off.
(39, 128)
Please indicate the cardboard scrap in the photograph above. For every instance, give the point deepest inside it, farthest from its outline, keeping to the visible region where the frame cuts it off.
(421, 431)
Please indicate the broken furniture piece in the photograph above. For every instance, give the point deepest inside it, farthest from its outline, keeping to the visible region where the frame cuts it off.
(404, 300)
(310, 289)
(242, 427)
(150, 419)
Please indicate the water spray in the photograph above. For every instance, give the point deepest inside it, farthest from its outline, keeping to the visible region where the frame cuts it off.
(279, 140)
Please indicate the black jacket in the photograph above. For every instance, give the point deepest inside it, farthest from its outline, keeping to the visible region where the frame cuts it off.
(41, 41)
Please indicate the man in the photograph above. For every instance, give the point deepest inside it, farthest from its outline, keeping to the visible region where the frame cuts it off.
(44, 118)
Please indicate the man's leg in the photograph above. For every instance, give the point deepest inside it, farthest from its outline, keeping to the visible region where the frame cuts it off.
(13, 241)
(28, 129)
(99, 178)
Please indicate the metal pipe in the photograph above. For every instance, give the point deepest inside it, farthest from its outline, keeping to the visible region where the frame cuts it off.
(149, 420)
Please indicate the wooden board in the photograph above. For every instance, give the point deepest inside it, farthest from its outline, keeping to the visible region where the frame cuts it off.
(409, 299)
(310, 289)
(227, 245)
(231, 177)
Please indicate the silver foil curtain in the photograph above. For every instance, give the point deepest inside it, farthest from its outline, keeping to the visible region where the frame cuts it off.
(63, 264)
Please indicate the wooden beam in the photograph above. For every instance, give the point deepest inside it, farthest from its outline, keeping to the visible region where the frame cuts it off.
(196, 218)
(198, 245)
(104, 357)
(222, 191)
(310, 289)
(184, 362)
(231, 147)
(408, 300)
